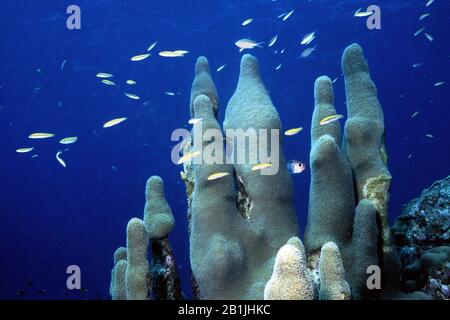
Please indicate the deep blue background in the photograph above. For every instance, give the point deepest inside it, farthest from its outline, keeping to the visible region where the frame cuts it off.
(51, 217)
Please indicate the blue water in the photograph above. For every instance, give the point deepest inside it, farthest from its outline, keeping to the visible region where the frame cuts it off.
(52, 217)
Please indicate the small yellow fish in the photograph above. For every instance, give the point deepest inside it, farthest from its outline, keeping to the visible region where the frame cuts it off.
(330, 119)
(410, 156)
(429, 136)
(195, 120)
(429, 37)
(40, 135)
(261, 166)
(438, 84)
(414, 114)
(293, 131)
(114, 122)
(108, 82)
(217, 175)
(61, 161)
(247, 22)
(278, 67)
(132, 96)
(24, 150)
(140, 57)
(104, 75)
(68, 140)
(152, 46)
(169, 93)
(173, 54)
(181, 52)
(187, 157)
(429, 2)
(131, 82)
(308, 38)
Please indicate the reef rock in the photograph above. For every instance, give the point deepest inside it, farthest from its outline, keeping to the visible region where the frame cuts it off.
(422, 235)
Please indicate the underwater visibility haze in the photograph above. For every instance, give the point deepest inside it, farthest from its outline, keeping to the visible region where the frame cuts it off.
(92, 91)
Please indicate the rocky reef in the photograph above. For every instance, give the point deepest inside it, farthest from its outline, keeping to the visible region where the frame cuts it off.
(422, 235)
(243, 230)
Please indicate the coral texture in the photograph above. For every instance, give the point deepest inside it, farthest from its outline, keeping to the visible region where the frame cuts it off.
(232, 255)
(137, 278)
(117, 285)
(290, 278)
(332, 215)
(203, 84)
(332, 274)
(119, 292)
(293, 280)
(364, 136)
(158, 216)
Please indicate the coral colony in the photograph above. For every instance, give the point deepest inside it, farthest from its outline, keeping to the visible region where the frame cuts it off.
(244, 235)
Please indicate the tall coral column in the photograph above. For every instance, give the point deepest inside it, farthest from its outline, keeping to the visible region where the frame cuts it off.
(239, 222)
